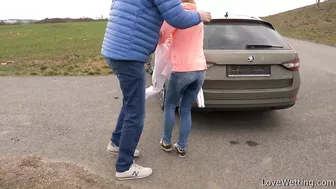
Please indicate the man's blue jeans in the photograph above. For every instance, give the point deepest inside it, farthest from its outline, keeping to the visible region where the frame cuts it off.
(132, 81)
(185, 85)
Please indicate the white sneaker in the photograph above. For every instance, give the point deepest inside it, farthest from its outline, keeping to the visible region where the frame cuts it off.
(115, 149)
(134, 172)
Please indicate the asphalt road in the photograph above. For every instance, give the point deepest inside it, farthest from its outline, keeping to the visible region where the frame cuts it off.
(70, 119)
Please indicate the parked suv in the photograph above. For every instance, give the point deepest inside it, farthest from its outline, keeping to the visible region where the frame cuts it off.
(250, 66)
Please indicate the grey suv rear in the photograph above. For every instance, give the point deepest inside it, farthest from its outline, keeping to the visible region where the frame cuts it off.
(250, 66)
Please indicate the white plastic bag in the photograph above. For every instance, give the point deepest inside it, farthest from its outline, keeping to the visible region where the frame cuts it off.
(158, 79)
(167, 69)
(162, 70)
(161, 58)
(200, 99)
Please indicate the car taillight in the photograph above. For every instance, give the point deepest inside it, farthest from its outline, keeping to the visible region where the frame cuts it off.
(292, 64)
(293, 97)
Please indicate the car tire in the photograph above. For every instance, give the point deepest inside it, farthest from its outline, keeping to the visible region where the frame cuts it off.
(163, 99)
(150, 65)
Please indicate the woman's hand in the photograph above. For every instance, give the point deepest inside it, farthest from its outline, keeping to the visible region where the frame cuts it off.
(205, 16)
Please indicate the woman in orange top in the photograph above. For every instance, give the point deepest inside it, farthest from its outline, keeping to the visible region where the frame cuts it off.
(186, 79)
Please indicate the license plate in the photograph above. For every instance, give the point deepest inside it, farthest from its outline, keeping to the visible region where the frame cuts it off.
(248, 71)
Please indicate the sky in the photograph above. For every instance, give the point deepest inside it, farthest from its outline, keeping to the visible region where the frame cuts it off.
(40, 9)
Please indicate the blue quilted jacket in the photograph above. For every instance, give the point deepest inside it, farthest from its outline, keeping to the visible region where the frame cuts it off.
(133, 28)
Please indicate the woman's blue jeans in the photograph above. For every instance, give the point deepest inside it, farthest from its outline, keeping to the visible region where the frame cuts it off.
(182, 86)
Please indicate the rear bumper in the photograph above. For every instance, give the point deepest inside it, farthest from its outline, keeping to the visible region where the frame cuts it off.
(277, 98)
(249, 104)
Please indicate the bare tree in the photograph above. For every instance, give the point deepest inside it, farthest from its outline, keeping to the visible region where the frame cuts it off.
(318, 2)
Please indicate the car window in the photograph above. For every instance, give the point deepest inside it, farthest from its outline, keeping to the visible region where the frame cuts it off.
(237, 35)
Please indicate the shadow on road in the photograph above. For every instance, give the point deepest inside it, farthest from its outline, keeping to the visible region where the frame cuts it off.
(231, 121)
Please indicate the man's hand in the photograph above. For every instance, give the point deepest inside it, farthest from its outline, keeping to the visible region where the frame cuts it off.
(205, 16)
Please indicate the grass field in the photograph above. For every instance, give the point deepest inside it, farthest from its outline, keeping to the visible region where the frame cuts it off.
(52, 49)
(313, 23)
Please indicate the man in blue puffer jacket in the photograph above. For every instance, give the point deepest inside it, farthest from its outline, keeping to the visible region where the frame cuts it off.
(131, 37)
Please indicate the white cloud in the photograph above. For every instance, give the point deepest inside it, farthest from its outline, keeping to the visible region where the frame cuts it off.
(39, 9)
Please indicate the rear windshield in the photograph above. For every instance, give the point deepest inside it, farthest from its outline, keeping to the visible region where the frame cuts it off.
(231, 35)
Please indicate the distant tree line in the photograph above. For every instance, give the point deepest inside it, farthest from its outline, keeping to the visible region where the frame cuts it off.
(17, 22)
(65, 20)
(53, 20)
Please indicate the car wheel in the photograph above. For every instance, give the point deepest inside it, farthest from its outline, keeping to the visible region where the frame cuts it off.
(150, 65)
(163, 97)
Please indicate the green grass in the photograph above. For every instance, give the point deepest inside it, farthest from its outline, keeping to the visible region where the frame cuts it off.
(313, 23)
(74, 48)
(53, 49)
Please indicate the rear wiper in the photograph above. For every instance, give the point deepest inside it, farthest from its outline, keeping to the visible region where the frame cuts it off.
(255, 46)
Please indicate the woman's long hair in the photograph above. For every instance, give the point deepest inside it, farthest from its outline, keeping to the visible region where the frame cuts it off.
(188, 1)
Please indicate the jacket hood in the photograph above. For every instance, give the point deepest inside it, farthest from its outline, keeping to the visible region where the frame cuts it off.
(189, 6)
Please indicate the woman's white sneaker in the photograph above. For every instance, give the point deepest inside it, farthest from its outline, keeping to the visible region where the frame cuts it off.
(134, 172)
(115, 149)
